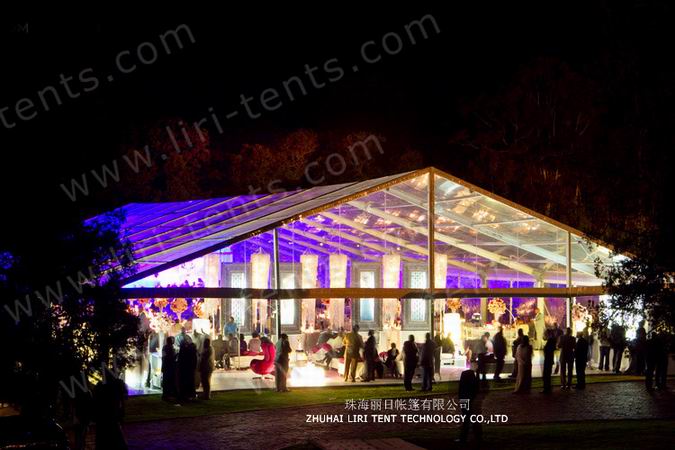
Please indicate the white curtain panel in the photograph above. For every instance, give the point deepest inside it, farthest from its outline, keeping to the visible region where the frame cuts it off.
(337, 265)
(260, 274)
(212, 279)
(440, 275)
(310, 267)
(391, 275)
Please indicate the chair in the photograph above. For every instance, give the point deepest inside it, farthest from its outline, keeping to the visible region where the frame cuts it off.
(264, 366)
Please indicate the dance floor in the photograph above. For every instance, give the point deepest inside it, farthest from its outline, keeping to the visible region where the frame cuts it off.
(223, 380)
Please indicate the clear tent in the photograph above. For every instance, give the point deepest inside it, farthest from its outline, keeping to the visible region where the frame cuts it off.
(482, 235)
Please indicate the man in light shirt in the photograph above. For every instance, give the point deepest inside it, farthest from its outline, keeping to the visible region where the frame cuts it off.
(254, 343)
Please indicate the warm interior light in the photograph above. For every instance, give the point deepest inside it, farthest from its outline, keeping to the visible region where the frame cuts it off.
(307, 375)
(452, 326)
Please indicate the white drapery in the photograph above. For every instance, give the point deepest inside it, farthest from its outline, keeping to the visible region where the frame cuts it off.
(337, 264)
(212, 279)
(260, 273)
(391, 275)
(440, 276)
(310, 266)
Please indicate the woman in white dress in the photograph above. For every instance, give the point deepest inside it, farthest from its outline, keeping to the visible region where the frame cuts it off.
(524, 360)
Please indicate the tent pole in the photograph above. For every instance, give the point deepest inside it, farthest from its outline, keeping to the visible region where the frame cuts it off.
(569, 300)
(277, 284)
(430, 244)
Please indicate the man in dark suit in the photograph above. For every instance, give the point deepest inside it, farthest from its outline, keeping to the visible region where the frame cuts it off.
(499, 347)
(652, 355)
(281, 358)
(566, 345)
(549, 356)
(409, 362)
(427, 362)
(580, 360)
(618, 339)
(370, 356)
(469, 393)
(353, 343)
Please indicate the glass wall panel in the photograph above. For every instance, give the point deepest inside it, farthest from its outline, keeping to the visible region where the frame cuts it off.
(418, 307)
(350, 244)
(584, 256)
(500, 246)
(367, 305)
(288, 305)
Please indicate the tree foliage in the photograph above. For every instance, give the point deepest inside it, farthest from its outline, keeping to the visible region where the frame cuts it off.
(638, 288)
(180, 165)
(73, 324)
(581, 145)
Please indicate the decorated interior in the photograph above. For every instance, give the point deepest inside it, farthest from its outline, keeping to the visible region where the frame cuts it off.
(372, 234)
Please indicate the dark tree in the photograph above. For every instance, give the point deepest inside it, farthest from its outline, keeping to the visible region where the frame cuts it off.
(62, 321)
(168, 160)
(638, 287)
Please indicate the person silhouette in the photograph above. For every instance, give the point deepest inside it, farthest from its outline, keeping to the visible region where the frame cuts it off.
(109, 397)
(549, 357)
(427, 362)
(409, 362)
(469, 394)
(206, 366)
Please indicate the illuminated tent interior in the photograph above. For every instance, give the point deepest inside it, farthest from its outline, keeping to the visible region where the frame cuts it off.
(359, 253)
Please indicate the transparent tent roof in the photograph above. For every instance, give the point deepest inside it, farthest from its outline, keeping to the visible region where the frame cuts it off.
(480, 232)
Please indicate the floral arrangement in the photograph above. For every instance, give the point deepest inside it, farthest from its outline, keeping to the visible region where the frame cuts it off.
(199, 309)
(143, 302)
(550, 321)
(179, 306)
(497, 306)
(526, 309)
(160, 322)
(580, 313)
(160, 303)
(454, 304)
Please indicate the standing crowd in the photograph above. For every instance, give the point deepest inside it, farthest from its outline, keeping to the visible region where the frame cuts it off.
(187, 363)
(569, 355)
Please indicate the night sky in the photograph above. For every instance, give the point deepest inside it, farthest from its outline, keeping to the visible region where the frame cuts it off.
(412, 97)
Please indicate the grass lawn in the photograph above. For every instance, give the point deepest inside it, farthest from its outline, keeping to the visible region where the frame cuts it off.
(151, 407)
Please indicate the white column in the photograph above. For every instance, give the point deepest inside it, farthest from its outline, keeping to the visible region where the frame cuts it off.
(277, 283)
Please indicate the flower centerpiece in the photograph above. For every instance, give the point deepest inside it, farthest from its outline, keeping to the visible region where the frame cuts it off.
(143, 302)
(497, 307)
(159, 322)
(200, 309)
(179, 306)
(581, 316)
(454, 304)
(160, 303)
